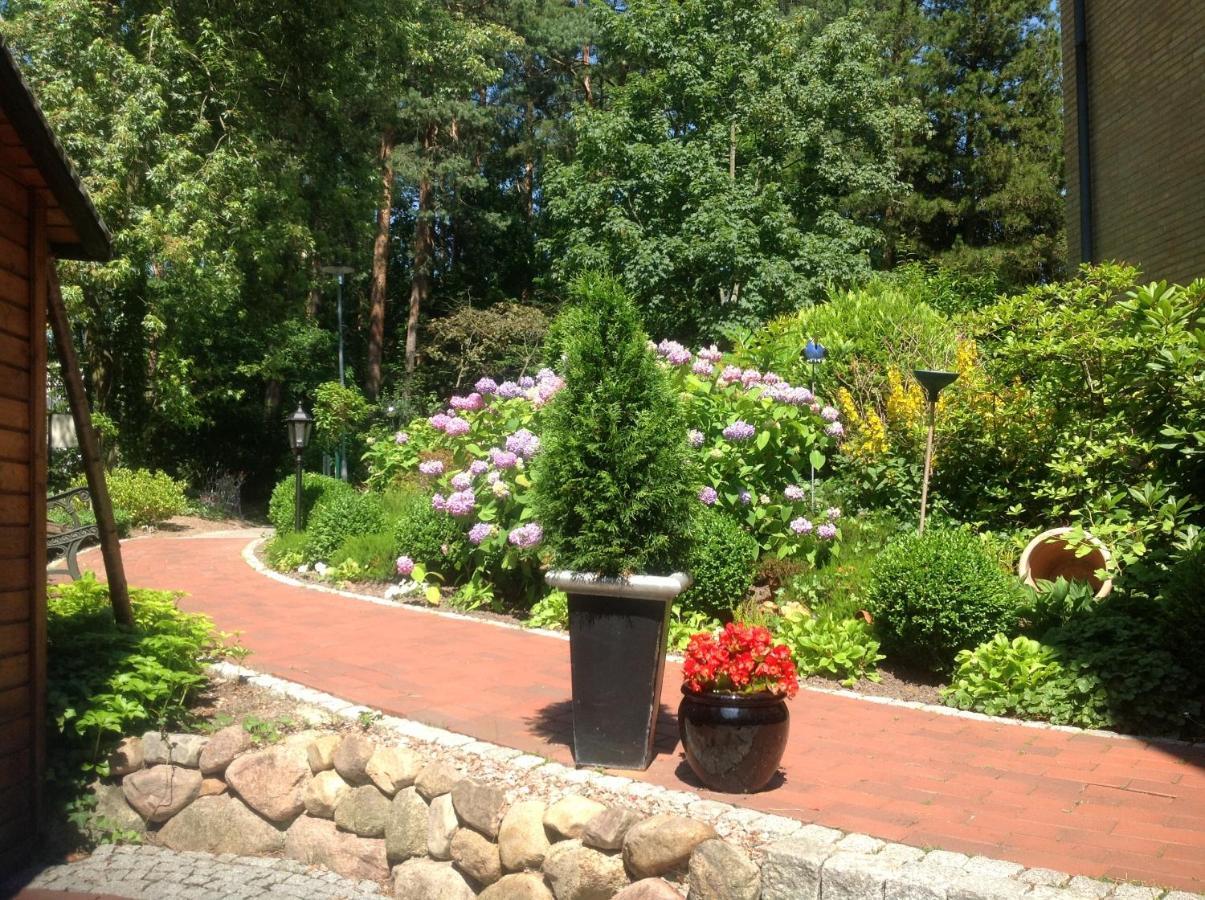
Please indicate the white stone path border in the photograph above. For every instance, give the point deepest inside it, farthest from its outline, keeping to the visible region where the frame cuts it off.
(254, 562)
(801, 861)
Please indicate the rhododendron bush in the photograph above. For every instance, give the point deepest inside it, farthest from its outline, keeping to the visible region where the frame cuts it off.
(739, 659)
(754, 439)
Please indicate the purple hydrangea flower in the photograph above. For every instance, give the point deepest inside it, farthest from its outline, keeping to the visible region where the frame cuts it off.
(401, 438)
(480, 532)
(439, 502)
(503, 459)
(500, 490)
(711, 354)
(509, 390)
(702, 368)
(471, 402)
(405, 565)
(547, 389)
(836, 429)
(524, 443)
(695, 437)
(771, 379)
(431, 467)
(793, 492)
(730, 374)
(462, 481)
(545, 375)
(830, 414)
(478, 467)
(461, 503)
(527, 382)
(673, 352)
(526, 535)
(457, 427)
(439, 421)
(833, 513)
(493, 477)
(746, 498)
(487, 386)
(826, 532)
(740, 430)
(707, 496)
(750, 377)
(801, 525)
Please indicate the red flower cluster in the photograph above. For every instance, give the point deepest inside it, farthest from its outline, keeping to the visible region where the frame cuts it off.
(740, 659)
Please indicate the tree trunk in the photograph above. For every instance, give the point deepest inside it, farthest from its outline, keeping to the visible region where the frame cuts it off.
(424, 246)
(314, 299)
(380, 270)
(94, 470)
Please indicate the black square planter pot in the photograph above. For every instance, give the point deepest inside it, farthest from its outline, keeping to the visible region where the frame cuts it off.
(617, 633)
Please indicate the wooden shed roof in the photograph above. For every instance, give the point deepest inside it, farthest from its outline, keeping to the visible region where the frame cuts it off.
(30, 153)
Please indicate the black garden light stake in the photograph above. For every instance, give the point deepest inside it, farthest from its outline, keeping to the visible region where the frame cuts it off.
(932, 382)
(299, 426)
(814, 352)
(340, 272)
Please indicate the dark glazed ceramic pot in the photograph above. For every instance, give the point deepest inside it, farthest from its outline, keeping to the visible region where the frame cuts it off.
(733, 742)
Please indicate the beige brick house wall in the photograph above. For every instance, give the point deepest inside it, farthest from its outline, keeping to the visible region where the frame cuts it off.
(1146, 107)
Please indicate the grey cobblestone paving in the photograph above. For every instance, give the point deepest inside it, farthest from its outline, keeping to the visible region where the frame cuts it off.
(152, 873)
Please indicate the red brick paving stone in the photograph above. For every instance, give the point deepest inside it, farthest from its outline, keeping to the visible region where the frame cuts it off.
(1039, 798)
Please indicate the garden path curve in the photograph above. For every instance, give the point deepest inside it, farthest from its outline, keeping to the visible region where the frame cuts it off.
(1083, 803)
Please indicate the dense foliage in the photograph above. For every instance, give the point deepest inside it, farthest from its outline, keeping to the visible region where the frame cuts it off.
(146, 498)
(105, 681)
(612, 479)
(282, 508)
(936, 593)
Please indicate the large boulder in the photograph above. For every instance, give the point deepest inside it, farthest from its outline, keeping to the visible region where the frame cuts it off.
(648, 889)
(441, 827)
(437, 778)
(719, 871)
(406, 826)
(222, 748)
(111, 806)
(363, 811)
(271, 781)
(426, 879)
(158, 793)
(476, 857)
(479, 806)
(318, 842)
(211, 787)
(127, 757)
(607, 830)
(579, 873)
(173, 749)
(520, 886)
(663, 844)
(221, 824)
(522, 841)
(352, 756)
(393, 768)
(569, 816)
(321, 752)
(323, 793)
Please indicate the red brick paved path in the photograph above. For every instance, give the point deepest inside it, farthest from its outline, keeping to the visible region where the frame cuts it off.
(1090, 805)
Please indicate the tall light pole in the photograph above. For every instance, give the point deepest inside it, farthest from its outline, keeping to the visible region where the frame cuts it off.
(814, 352)
(340, 271)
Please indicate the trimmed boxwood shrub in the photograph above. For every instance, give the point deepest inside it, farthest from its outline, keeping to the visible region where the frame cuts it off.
(422, 533)
(146, 497)
(313, 488)
(341, 515)
(937, 593)
(721, 559)
(612, 485)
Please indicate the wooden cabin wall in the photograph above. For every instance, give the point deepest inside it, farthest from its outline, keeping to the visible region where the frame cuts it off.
(23, 262)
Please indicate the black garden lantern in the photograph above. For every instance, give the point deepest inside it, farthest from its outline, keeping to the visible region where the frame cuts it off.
(932, 382)
(814, 352)
(299, 426)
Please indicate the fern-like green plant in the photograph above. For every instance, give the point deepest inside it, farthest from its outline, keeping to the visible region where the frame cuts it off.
(612, 482)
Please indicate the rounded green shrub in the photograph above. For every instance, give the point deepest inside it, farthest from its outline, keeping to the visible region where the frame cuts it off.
(424, 534)
(376, 554)
(937, 593)
(146, 497)
(612, 483)
(341, 515)
(313, 488)
(720, 559)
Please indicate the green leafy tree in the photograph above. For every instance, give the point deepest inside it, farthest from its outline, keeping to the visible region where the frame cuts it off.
(729, 175)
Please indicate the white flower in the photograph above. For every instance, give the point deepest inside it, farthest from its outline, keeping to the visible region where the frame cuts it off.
(321, 568)
(303, 568)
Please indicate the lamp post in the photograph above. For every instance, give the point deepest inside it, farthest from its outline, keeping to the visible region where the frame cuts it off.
(814, 352)
(340, 271)
(299, 425)
(932, 382)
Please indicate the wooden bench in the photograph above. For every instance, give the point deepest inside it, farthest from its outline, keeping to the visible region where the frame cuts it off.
(64, 539)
